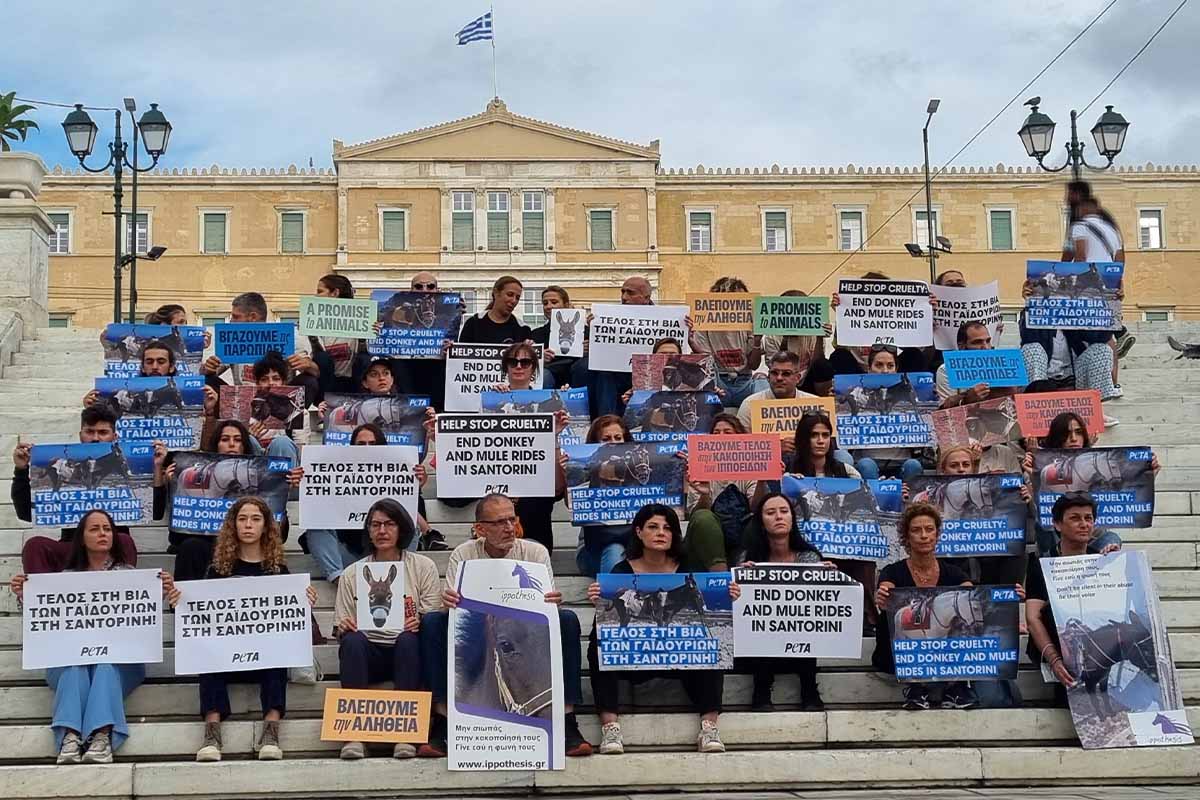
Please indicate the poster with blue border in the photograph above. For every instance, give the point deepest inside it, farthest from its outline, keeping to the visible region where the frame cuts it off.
(169, 409)
(1119, 479)
(670, 416)
(542, 401)
(415, 324)
(608, 483)
(402, 417)
(123, 344)
(1074, 295)
(67, 480)
(982, 515)
(849, 518)
(885, 410)
(966, 368)
(954, 633)
(206, 485)
(247, 342)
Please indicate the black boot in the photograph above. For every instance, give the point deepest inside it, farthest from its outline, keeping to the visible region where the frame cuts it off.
(761, 700)
(810, 695)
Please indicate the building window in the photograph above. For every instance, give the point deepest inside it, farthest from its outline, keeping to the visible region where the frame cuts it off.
(1000, 229)
(463, 221)
(850, 230)
(209, 321)
(60, 239)
(288, 316)
(1159, 315)
(291, 232)
(600, 229)
(143, 233)
(59, 321)
(393, 224)
(497, 221)
(1010, 316)
(700, 231)
(1150, 229)
(921, 226)
(533, 220)
(531, 306)
(213, 224)
(775, 231)
(470, 299)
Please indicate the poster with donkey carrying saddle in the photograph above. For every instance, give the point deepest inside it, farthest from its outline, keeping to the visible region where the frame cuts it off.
(954, 633)
(1119, 479)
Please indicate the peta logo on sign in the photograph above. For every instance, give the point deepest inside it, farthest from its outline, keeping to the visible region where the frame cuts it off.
(1004, 595)
(245, 658)
(1113, 269)
(279, 465)
(418, 402)
(1140, 455)
(450, 300)
(92, 652)
(1011, 482)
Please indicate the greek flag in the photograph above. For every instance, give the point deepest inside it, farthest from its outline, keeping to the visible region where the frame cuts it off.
(476, 31)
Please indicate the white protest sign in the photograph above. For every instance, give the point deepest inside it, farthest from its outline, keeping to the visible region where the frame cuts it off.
(379, 595)
(619, 331)
(341, 483)
(959, 304)
(566, 332)
(472, 369)
(239, 624)
(797, 611)
(513, 454)
(888, 312)
(111, 617)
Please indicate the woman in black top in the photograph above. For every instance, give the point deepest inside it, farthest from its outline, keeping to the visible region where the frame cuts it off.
(558, 367)
(497, 325)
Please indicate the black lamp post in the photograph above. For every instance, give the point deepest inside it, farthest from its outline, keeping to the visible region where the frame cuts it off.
(1038, 132)
(155, 132)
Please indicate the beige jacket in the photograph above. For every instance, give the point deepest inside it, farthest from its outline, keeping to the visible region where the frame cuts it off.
(422, 592)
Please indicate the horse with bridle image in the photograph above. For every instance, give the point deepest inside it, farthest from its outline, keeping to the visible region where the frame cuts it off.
(619, 466)
(842, 507)
(990, 424)
(419, 312)
(964, 498)
(1090, 471)
(550, 405)
(130, 347)
(503, 664)
(568, 326)
(146, 402)
(88, 473)
(276, 409)
(940, 615)
(1091, 654)
(385, 411)
(668, 412)
(227, 478)
(681, 373)
(658, 606)
(379, 594)
(898, 398)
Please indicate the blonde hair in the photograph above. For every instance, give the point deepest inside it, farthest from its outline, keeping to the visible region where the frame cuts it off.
(225, 551)
(944, 456)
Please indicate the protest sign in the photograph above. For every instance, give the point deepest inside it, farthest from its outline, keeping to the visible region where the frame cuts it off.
(337, 318)
(984, 424)
(721, 311)
(734, 457)
(277, 408)
(545, 401)
(206, 486)
(959, 304)
(567, 332)
(965, 368)
(665, 621)
(123, 344)
(109, 617)
(848, 518)
(415, 324)
(619, 331)
(1119, 479)
(781, 417)
(1113, 640)
(982, 515)
(891, 312)
(67, 480)
(512, 454)
(380, 604)
(169, 409)
(247, 342)
(369, 715)
(1036, 411)
(676, 372)
(670, 416)
(341, 483)
(791, 316)
(506, 703)
(402, 417)
(797, 611)
(1074, 295)
(609, 483)
(240, 624)
(472, 369)
(885, 410)
(954, 633)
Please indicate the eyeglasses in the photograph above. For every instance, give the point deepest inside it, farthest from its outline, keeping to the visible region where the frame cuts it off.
(385, 525)
(885, 348)
(503, 522)
(526, 363)
(424, 287)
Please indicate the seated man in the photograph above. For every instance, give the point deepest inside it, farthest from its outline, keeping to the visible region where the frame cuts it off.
(971, 336)
(41, 553)
(495, 532)
(273, 370)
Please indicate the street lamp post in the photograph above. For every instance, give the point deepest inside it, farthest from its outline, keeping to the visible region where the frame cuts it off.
(155, 132)
(931, 109)
(1038, 132)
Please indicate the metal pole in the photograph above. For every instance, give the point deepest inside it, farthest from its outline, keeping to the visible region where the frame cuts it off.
(133, 250)
(118, 150)
(929, 205)
(1076, 153)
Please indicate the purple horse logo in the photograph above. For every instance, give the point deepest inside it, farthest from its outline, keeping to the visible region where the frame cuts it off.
(1168, 725)
(525, 580)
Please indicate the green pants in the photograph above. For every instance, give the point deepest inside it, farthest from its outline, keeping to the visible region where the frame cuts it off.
(704, 545)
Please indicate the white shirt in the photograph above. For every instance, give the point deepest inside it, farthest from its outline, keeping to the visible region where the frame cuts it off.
(1101, 239)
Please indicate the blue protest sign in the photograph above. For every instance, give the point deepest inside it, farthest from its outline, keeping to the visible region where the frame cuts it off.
(68, 480)
(965, 368)
(1075, 295)
(847, 517)
(169, 409)
(415, 324)
(247, 342)
(885, 410)
(123, 344)
(607, 484)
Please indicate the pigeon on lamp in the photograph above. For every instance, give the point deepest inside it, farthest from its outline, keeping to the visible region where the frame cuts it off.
(1184, 350)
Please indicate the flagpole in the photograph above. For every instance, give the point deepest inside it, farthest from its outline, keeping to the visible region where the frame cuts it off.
(495, 86)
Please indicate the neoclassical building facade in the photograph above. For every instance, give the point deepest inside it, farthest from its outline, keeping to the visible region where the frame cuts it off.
(500, 193)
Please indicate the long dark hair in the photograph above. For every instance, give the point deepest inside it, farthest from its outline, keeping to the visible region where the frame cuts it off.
(398, 514)
(1060, 428)
(755, 541)
(338, 283)
(636, 549)
(376, 431)
(802, 458)
(247, 448)
(78, 558)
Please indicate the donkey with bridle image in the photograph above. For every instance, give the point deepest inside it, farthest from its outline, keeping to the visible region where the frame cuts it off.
(1091, 655)
(567, 330)
(379, 594)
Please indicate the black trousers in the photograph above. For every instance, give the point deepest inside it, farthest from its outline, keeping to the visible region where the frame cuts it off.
(704, 687)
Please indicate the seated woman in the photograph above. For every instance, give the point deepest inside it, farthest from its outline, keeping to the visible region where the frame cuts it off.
(773, 536)
(891, 461)
(656, 548)
(89, 700)
(602, 547)
(716, 510)
(380, 654)
(248, 546)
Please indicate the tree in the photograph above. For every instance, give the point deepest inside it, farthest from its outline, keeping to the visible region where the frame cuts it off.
(10, 126)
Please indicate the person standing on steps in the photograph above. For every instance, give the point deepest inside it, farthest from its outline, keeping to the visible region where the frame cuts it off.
(497, 324)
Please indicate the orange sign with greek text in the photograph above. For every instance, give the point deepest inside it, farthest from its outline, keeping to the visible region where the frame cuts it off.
(735, 457)
(1036, 411)
(364, 715)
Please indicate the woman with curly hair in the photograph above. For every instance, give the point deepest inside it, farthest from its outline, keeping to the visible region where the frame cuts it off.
(248, 546)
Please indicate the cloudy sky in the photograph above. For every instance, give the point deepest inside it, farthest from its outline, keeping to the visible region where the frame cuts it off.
(749, 83)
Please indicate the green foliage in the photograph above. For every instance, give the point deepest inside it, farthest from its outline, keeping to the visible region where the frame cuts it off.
(11, 126)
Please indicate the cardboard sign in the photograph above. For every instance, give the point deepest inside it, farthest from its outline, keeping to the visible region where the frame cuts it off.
(111, 617)
(415, 324)
(797, 611)
(619, 331)
(982, 515)
(959, 304)
(340, 484)
(1119, 480)
(791, 316)
(368, 715)
(781, 417)
(977, 641)
(206, 486)
(609, 483)
(123, 344)
(1074, 295)
(965, 368)
(402, 417)
(337, 318)
(888, 312)
(567, 332)
(240, 624)
(1035, 412)
(167, 409)
(734, 457)
(379, 595)
(721, 311)
(513, 454)
(472, 369)
(247, 342)
(68, 480)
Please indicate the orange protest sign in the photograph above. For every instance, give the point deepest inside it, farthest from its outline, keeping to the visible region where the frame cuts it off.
(363, 715)
(1035, 412)
(721, 311)
(782, 416)
(735, 457)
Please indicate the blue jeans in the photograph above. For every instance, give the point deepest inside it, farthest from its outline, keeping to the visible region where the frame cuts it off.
(281, 447)
(869, 469)
(88, 698)
(738, 387)
(330, 552)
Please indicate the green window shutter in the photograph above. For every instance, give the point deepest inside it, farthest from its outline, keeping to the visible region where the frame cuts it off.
(291, 229)
(602, 238)
(464, 230)
(393, 230)
(776, 220)
(214, 233)
(534, 230)
(497, 231)
(1002, 233)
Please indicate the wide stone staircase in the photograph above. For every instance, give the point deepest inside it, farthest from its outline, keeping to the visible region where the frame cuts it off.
(862, 740)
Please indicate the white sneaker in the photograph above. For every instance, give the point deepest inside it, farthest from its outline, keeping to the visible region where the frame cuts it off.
(1111, 422)
(709, 738)
(268, 742)
(99, 749)
(610, 740)
(352, 751)
(71, 751)
(404, 750)
(211, 749)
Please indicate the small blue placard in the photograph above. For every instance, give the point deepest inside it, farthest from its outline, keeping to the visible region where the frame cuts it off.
(247, 342)
(965, 368)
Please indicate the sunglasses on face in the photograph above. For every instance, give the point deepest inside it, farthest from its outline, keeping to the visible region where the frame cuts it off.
(424, 287)
(885, 348)
(527, 363)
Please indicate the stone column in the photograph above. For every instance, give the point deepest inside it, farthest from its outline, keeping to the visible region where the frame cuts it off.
(24, 243)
